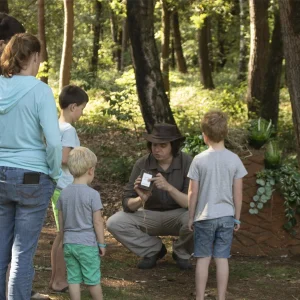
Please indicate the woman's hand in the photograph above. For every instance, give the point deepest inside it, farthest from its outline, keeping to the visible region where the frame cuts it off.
(161, 183)
(144, 194)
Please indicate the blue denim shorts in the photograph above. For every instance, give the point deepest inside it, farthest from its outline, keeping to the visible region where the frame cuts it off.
(213, 237)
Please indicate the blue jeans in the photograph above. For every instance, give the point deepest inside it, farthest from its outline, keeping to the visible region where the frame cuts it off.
(22, 212)
(213, 237)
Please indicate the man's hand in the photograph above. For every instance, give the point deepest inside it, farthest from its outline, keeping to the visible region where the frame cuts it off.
(191, 224)
(144, 194)
(161, 183)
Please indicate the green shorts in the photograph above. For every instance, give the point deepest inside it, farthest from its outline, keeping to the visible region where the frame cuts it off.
(54, 200)
(83, 264)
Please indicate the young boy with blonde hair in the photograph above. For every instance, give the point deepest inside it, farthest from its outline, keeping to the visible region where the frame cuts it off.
(215, 202)
(81, 225)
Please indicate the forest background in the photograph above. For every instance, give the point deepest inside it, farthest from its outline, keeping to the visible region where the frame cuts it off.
(147, 61)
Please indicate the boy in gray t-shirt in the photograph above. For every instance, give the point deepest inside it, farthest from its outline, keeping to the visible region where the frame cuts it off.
(81, 225)
(215, 201)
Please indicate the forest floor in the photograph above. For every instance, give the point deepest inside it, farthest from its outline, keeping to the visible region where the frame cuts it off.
(250, 277)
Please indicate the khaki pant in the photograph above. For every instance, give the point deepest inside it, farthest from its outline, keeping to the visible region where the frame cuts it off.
(139, 231)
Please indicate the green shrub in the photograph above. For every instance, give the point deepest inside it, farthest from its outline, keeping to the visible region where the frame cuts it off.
(259, 132)
(194, 144)
(272, 155)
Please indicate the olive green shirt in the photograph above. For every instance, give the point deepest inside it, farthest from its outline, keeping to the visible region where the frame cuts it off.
(176, 175)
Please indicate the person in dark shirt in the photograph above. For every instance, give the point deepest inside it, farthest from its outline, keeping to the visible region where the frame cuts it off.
(161, 211)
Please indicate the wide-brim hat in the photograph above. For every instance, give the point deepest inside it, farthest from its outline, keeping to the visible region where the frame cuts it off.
(164, 133)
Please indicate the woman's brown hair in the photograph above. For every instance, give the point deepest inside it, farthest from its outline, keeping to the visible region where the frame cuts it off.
(17, 53)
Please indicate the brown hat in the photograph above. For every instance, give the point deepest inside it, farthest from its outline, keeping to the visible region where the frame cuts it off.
(164, 133)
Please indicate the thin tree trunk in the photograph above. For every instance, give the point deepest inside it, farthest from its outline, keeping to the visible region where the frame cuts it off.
(181, 63)
(290, 22)
(66, 60)
(173, 61)
(203, 56)
(152, 96)
(124, 43)
(119, 49)
(114, 36)
(165, 44)
(243, 47)
(42, 38)
(221, 44)
(96, 39)
(259, 46)
(270, 104)
(4, 6)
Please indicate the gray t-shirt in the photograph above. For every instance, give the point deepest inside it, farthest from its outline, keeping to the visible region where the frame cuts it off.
(78, 202)
(215, 170)
(69, 139)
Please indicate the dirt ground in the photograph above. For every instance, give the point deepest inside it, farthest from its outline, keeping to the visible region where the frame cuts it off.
(266, 278)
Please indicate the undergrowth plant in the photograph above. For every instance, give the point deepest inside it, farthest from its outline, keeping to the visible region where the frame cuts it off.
(286, 179)
(260, 132)
(194, 144)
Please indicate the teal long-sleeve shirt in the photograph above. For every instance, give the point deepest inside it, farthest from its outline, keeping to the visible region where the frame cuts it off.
(29, 132)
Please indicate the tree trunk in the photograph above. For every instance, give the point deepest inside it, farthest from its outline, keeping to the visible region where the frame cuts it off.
(290, 22)
(259, 46)
(66, 60)
(221, 44)
(270, 104)
(181, 63)
(42, 38)
(4, 6)
(152, 96)
(96, 39)
(119, 49)
(243, 47)
(114, 36)
(203, 56)
(124, 43)
(165, 44)
(173, 61)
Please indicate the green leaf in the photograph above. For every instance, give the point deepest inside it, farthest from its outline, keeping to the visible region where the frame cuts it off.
(255, 198)
(252, 204)
(260, 182)
(261, 191)
(260, 205)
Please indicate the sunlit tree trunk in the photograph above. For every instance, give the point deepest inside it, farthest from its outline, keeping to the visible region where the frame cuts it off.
(42, 38)
(259, 50)
(243, 47)
(290, 22)
(152, 96)
(66, 60)
(124, 43)
(203, 56)
(165, 44)
(270, 103)
(96, 39)
(4, 6)
(181, 63)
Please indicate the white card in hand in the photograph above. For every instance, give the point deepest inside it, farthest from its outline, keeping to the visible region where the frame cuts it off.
(145, 180)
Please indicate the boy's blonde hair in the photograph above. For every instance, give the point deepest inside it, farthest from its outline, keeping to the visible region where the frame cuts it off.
(80, 160)
(214, 125)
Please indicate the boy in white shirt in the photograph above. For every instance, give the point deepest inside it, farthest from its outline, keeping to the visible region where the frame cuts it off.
(72, 101)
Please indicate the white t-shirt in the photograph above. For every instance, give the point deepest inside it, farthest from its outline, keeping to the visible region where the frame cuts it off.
(69, 139)
(215, 170)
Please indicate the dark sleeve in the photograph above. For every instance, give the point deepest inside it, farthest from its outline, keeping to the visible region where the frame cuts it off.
(129, 192)
(187, 160)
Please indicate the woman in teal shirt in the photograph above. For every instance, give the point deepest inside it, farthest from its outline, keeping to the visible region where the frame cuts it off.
(30, 158)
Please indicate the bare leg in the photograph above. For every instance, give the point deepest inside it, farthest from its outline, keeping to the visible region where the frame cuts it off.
(74, 290)
(58, 277)
(96, 292)
(222, 276)
(201, 276)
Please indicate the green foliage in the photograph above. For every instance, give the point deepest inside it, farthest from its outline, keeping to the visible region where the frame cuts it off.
(266, 182)
(259, 132)
(272, 155)
(194, 144)
(285, 179)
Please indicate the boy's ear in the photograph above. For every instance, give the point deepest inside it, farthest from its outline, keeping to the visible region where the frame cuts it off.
(91, 171)
(72, 106)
